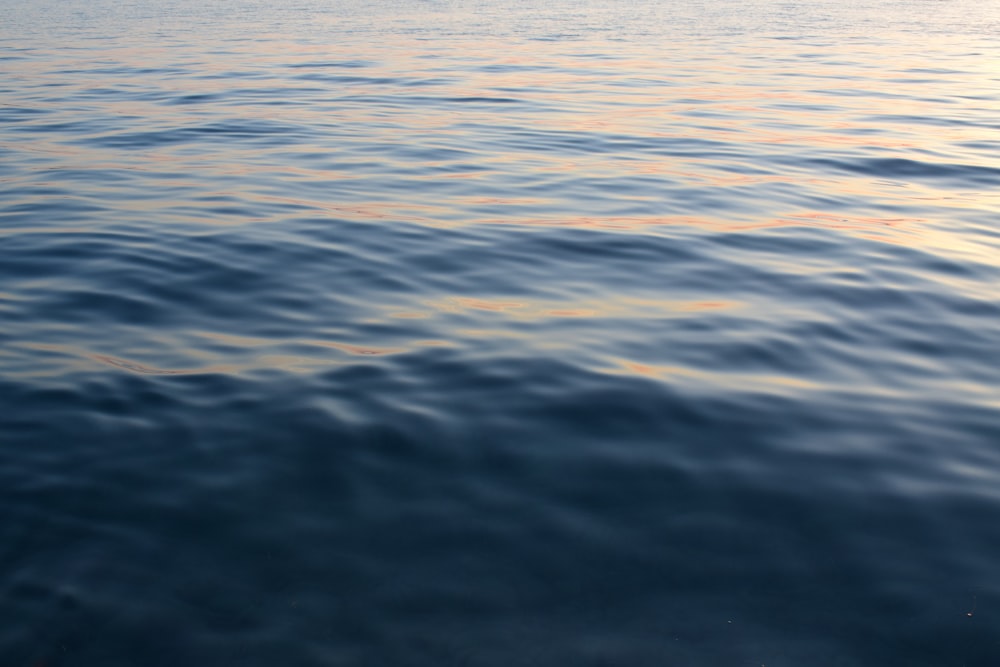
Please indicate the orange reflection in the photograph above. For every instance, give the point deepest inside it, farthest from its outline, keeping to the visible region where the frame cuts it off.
(627, 99)
(223, 361)
(904, 231)
(142, 369)
(618, 307)
(458, 303)
(356, 349)
(252, 342)
(730, 380)
(578, 312)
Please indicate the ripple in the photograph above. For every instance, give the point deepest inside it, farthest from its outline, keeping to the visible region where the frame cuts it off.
(420, 335)
(960, 175)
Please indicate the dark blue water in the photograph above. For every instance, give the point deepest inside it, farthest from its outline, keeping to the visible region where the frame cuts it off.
(499, 334)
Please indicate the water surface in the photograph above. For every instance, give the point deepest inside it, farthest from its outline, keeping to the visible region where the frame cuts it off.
(496, 334)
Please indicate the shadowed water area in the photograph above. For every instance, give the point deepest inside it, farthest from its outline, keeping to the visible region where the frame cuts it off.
(495, 334)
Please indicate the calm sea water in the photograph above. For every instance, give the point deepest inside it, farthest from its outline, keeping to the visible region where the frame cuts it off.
(499, 334)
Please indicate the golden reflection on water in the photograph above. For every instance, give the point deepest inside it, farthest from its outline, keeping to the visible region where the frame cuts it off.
(733, 381)
(692, 90)
(231, 359)
(620, 306)
(361, 350)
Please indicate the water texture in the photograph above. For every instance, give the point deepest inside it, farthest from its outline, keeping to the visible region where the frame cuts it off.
(500, 334)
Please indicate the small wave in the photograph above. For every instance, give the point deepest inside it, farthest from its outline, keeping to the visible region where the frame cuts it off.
(954, 175)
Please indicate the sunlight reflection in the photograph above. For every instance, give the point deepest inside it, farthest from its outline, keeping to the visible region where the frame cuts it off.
(730, 380)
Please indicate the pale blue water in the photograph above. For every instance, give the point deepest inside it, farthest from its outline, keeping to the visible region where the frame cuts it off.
(499, 334)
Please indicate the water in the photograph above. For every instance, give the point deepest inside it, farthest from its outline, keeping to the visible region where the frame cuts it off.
(498, 334)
